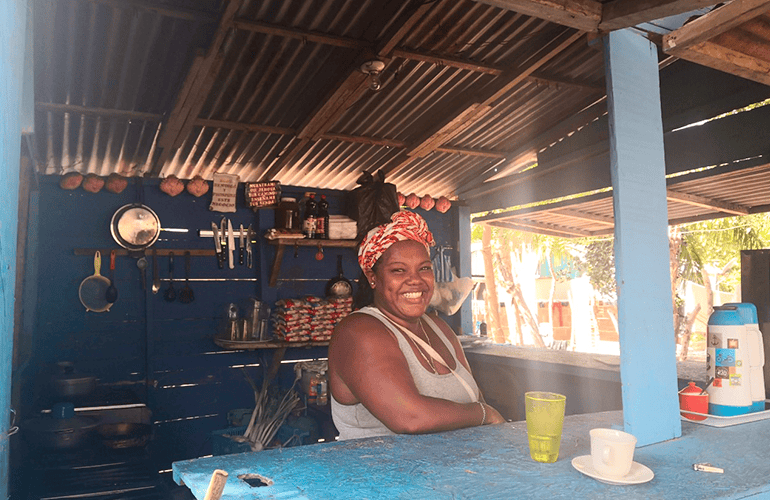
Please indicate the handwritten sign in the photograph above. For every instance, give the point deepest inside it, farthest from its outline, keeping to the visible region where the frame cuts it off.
(223, 195)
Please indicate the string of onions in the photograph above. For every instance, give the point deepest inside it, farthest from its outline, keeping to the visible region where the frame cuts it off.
(265, 421)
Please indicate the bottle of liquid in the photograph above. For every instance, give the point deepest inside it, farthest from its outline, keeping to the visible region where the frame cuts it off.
(322, 222)
(311, 214)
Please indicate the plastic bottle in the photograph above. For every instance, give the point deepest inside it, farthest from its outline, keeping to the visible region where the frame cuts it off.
(322, 222)
(311, 213)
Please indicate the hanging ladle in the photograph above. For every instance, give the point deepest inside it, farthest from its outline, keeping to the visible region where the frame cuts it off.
(170, 294)
(186, 295)
(112, 293)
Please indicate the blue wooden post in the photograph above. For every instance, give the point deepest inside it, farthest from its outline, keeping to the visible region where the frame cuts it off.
(645, 312)
(13, 23)
(464, 265)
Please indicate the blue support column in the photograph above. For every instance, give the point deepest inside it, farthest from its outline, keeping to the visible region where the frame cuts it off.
(13, 23)
(645, 313)
(464, 266)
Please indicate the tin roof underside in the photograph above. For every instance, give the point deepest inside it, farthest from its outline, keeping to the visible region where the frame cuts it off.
(272, 90)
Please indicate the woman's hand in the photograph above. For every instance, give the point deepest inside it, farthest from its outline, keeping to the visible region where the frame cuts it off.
(493, 416)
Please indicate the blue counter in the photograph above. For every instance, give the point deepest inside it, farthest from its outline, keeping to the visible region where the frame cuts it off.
(492, 462)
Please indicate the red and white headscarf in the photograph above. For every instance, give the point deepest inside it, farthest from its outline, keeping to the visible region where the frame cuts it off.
(405, 225)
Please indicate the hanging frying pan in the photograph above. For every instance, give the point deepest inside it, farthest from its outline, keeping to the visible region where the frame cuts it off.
(93, 289)
(135, 226)
(340, 286)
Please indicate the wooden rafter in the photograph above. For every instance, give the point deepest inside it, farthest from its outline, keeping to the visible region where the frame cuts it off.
(299, 34)
(703, 41)
(102, 112)
(541, 228)
(582, 215)
(342, 96)
(710, 203)
(196, 87)
(583, 15)
(159, 8)
(620, 14)
(465, 113)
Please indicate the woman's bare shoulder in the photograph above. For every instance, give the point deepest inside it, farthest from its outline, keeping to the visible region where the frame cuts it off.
(360, 327)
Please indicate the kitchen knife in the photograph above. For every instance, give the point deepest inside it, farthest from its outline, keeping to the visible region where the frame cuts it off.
(217, 245)
(223, 239)
(249, 254)
(230, 243)
(241, 245)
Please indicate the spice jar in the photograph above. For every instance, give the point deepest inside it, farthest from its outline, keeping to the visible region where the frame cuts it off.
(287, 214)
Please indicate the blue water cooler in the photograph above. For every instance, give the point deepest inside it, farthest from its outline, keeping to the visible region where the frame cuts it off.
(756, 354)
(727, 363)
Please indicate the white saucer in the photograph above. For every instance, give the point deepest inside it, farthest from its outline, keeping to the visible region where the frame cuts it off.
(637, 475)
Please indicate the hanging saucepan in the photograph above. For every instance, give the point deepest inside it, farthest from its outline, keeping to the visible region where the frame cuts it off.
(340, 286)
(93, 289)
(135, 227)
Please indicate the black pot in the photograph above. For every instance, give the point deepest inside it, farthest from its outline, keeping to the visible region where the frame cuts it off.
(68, 385)
(123, 435)
(59, 433)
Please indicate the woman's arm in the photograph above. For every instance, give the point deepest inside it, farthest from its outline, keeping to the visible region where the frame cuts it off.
(366, 366)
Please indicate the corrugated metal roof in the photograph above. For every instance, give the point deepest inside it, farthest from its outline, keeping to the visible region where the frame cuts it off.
(271, 89)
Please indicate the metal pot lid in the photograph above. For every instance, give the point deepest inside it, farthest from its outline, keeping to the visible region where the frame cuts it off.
(135, 227)
(50, 424)
(67, 373)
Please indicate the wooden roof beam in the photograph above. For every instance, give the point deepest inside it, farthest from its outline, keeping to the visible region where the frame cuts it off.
(583, 15)
(196, 87)
(541, 228)
(581, 215)
(709, 203)
(342, 96)
(300, 34)
(620, 14)
(693, 41)
(464, 113)
(714, 23)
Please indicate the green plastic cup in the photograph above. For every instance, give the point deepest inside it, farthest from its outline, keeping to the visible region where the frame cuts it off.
(545, 418)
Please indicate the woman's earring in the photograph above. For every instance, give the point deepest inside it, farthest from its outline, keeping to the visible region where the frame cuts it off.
(371, 284)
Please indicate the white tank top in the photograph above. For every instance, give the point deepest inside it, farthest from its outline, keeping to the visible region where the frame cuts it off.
(355, 421)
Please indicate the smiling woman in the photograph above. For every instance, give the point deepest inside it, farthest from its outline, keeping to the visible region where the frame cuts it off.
(392, 368)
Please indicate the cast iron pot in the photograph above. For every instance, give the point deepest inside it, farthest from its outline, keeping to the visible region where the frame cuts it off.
(124, 435)
(59, 434)
(69, 385)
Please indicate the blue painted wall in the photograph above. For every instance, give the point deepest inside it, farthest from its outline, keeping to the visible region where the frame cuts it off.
(13, 21)
(191, 383)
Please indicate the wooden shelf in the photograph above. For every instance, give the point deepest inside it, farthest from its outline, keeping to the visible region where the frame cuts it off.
(250, 345)
(282, 243)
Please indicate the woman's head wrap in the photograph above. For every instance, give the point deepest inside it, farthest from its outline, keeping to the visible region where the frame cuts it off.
(405, 225)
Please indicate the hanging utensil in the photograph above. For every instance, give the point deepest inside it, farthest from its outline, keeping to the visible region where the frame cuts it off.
(230, 244)
(241, 245)
(135, 226)
(155, 274)
(218, 246)
(170, 294)
(186, 295)
(141, 263)
(223, 237)
(340, 286)
(93, 289)
(319, 255)
(249, 251)
(112, 293)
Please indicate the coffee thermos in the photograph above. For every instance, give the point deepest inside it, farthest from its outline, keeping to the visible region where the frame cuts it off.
(734, 352)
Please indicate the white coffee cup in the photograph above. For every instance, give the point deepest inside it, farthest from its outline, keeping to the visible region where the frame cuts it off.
(612, 451)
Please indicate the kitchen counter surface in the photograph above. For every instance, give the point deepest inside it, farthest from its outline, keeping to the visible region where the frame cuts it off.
(568, 360)
(492, 462)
